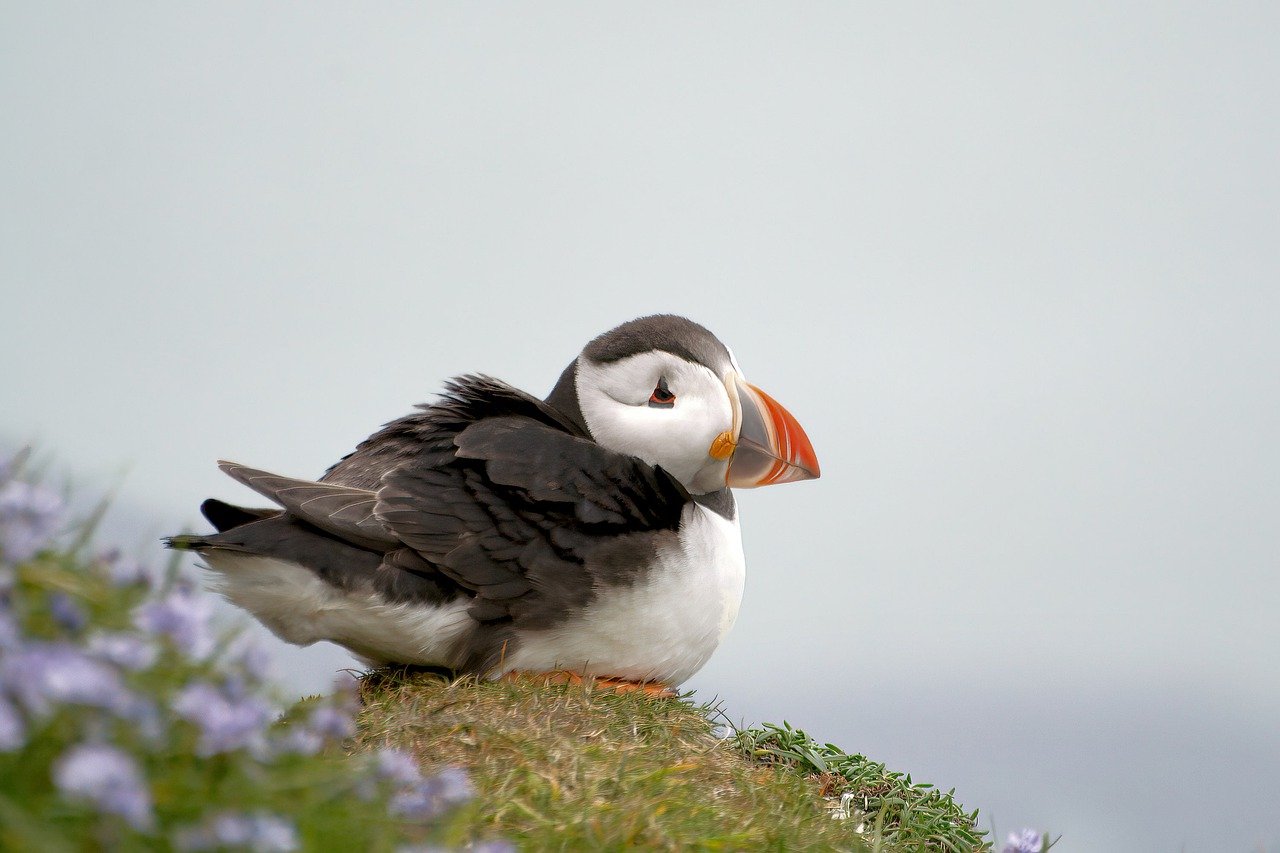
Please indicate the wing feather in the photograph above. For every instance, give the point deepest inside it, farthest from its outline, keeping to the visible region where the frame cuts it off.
(520, 510)
(343, 511)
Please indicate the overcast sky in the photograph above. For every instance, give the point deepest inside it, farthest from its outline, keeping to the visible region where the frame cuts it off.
(1015, 268)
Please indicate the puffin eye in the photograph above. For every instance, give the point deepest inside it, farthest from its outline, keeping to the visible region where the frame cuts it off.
(662, 398)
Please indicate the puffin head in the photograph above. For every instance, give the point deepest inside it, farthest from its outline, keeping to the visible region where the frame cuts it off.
(666, 390)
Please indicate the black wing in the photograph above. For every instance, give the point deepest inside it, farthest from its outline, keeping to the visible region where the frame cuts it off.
(532, 519)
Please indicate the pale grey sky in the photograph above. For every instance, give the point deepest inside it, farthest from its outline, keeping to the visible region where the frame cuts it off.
(1014, 267)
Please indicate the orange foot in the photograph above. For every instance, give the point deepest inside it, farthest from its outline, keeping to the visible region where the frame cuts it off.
(618, 685)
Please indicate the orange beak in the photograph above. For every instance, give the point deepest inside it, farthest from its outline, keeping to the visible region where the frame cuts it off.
(769, 445)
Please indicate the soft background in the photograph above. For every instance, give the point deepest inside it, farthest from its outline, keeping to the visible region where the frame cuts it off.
(1016, 270)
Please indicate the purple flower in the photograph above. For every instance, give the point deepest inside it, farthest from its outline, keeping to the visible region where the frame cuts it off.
(146, 719)
(419, 798)
(397, 766)
(324, 724)
(260, 832)
(253, 657)
(29, 515)
(297, 740)
(490, 846)
(1024, 841)
(109, 779)
(43, 675)
(9, 634)
(68, 615)
(493, 846)
(332, 723)
(11, 728)
(226, 722)
(431, 797)
(183, 617)
(124, 650)
(124, 571)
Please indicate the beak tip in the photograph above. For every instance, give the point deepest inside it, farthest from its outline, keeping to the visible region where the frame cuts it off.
(775, 447)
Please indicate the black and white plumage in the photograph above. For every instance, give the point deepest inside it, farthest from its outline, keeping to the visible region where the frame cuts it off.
(492, 531)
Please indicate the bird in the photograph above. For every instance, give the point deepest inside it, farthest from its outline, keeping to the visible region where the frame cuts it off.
(592, 534)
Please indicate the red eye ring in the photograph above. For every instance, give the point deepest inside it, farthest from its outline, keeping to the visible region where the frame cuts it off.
(662, 398)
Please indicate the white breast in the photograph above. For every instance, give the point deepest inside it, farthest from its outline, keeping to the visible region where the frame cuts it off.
(666, 626)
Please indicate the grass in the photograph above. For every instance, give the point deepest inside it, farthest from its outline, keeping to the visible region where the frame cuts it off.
(902, 814)
(568, 767)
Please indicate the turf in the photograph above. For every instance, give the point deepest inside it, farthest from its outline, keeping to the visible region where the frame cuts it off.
(569, 767)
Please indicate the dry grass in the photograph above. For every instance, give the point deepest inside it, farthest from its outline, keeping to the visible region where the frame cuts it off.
(568, 767)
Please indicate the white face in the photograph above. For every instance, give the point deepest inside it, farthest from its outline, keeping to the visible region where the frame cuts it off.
(624, 405)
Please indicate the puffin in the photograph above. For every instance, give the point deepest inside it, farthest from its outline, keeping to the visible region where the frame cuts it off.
(592, 534)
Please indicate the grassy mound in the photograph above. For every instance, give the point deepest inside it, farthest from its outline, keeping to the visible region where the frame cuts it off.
(565, 766)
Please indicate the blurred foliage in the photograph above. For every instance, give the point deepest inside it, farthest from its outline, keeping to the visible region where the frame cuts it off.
(129, 722)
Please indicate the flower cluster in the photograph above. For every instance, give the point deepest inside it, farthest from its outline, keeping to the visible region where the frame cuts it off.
(107, 778)
(259, 831)
(124, 710)
(421, 798)
(29, 515)
(1024, 841)
(182, 616)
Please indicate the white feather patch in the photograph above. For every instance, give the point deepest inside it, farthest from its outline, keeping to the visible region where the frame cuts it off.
(300, 608)
(662, 629)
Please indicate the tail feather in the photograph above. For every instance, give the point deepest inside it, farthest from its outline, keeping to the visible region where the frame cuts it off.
(202, 544)
(186, 543)
(225, 516)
